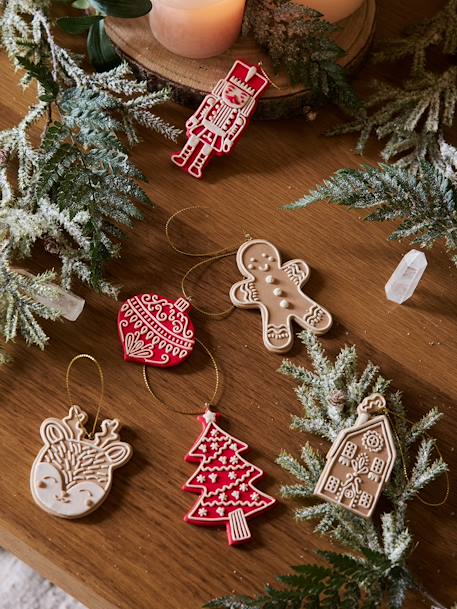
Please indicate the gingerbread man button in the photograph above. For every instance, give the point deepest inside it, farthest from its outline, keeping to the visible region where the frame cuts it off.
(275, 289)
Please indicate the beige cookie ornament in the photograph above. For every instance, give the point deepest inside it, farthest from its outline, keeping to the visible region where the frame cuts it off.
(360, 461)
(72, 474)
(275, 289)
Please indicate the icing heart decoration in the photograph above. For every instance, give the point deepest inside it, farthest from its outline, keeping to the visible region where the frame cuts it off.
(155, 330)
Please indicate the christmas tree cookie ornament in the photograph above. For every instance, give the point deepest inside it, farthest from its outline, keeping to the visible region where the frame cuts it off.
(360, 461)
(156, 331)
(275, 289)
(225, 481)
(222, 118)
(73, 472)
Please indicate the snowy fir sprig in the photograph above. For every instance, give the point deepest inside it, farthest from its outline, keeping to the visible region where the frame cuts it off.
(299, 39)
(426, 203)
(71, 192)
(413, 117)
(420, 188)
(372, 570)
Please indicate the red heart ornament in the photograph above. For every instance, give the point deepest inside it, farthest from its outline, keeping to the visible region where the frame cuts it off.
(155, 330)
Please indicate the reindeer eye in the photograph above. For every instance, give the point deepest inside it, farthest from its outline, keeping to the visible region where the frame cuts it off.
(42, 483)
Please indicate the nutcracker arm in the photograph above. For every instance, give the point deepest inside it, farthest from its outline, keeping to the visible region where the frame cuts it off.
(201, 111)
(234, 132)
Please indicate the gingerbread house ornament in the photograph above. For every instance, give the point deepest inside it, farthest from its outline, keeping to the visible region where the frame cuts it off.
(360, 460)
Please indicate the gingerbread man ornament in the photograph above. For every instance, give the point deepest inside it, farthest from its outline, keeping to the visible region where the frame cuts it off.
(275, 289)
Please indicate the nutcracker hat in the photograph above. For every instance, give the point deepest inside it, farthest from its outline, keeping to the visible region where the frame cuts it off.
(248, 78)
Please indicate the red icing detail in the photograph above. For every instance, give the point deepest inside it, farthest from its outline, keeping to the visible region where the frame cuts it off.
(155, 330)
(222, 118)
(225, 481)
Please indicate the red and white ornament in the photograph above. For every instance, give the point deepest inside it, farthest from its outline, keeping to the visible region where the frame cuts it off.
(155, 330)
(222, 118)
(226, 482)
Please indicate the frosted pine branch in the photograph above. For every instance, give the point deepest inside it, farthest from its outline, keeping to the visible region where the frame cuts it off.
(78, 187)
(377, 572)
(425, 204)
(412, 117)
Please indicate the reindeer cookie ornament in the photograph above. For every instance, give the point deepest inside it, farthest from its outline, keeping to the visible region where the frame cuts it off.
(360, 461)
(222, 118)
(275, 289)
(73, 472)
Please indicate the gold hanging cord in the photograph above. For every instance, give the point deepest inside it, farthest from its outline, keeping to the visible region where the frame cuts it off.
(388, 412)
(209, 404)
(209, 258)
(102, 386)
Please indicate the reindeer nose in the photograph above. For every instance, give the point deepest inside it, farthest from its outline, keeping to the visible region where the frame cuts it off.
(63, 496)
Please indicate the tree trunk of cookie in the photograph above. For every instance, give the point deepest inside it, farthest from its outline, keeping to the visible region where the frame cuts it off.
(237, 528)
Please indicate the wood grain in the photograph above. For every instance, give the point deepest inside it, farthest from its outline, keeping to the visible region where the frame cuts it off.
(135, 552)
(192, 79)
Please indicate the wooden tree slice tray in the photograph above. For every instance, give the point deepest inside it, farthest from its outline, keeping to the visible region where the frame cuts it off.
(192, 79)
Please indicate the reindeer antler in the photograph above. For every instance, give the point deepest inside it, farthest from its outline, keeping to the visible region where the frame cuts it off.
(108, 433)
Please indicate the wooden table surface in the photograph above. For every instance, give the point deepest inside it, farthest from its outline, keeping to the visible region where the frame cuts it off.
(136, 552)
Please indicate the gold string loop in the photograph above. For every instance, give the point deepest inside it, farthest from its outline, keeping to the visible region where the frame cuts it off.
(209, 258)
(386, 411)
(272, 83)
(102, 386)
(208, 404)
(228, 250)
(194, 267)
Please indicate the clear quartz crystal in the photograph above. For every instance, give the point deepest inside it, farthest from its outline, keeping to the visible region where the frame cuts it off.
(405, 278)
(70, 305)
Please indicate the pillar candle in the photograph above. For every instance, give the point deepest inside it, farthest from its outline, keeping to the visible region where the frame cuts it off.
(196, 28)
(333, 10)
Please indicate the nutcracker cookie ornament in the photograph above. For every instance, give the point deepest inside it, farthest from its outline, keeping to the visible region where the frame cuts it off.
(223, 116)
(156, 331)
(360, 461)
(275, 289)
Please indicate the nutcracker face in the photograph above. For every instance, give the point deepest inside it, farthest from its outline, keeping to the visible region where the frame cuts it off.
(234, 96)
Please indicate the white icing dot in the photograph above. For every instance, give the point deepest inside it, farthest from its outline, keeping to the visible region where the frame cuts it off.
(269, 279)
(284, 304)
(264, 255)
(277, 292)
(270, 258)
(252, 259)
(250, 267)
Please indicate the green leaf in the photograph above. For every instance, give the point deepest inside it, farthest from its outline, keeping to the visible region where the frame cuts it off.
(102, 54)
(78, 25)
(123, 8)
(81, 4)
(40, 71)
